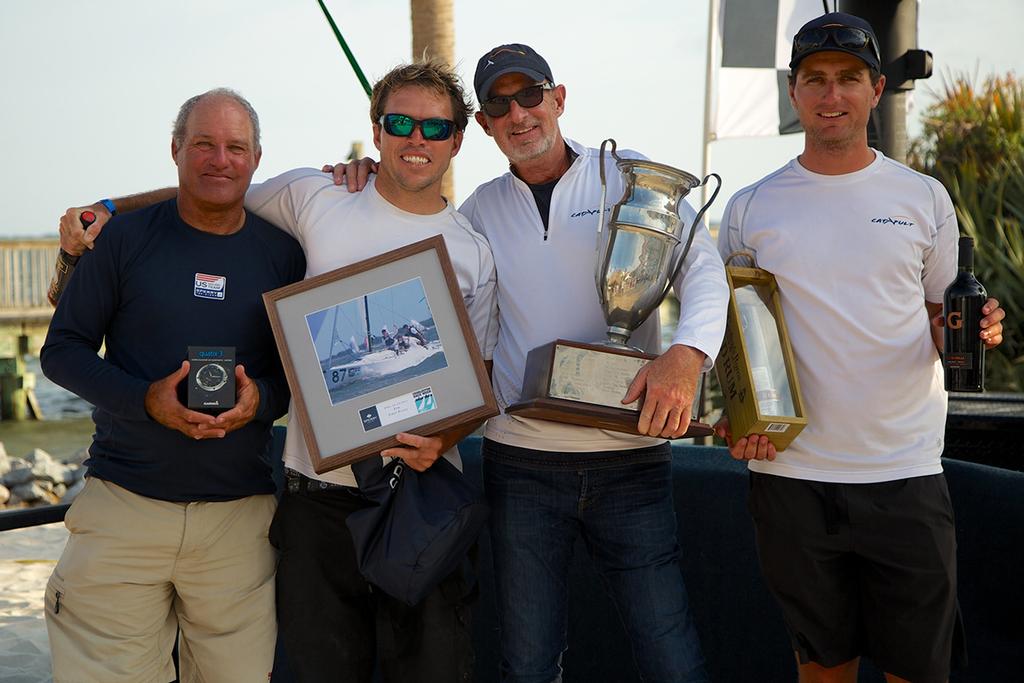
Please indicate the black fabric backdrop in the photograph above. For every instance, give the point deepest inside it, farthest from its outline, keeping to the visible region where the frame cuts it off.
(741, 629)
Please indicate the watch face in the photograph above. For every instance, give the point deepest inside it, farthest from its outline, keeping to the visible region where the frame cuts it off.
(211, 377)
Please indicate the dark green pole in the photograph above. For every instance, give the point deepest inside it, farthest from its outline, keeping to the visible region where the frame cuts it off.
(344, 47)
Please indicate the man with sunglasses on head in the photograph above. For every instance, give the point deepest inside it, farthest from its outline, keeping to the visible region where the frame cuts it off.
(854, 524)
(334, 624)
(549, 483)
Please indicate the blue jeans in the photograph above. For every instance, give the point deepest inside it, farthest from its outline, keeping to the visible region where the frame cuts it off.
(626, 518)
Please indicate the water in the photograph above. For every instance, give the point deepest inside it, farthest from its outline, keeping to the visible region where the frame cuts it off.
(365, 386)
(66, 429)
(57, 403)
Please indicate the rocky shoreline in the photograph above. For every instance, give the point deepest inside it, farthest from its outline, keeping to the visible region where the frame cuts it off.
(37, 478)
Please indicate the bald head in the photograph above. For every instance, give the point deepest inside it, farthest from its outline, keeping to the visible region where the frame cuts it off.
(181, 122)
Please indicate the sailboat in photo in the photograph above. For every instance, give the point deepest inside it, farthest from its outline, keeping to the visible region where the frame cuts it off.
(405, 347)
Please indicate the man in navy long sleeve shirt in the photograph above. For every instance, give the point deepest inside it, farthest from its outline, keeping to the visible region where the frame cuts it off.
(171, 529)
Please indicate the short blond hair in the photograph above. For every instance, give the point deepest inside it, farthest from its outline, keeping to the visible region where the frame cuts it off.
(432, 75)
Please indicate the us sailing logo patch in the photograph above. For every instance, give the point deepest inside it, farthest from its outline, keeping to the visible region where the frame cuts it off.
(210, 286)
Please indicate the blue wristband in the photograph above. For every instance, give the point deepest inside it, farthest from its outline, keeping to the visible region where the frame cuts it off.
(109, 205)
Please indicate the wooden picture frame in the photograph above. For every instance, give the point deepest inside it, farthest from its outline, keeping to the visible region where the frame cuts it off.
(351, 395)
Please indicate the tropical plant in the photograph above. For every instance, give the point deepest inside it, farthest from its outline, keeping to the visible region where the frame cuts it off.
(973, 141)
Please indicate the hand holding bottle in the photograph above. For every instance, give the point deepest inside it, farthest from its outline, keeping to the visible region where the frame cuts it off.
(972, 323)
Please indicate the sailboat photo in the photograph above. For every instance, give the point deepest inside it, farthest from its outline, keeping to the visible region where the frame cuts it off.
(376, 340)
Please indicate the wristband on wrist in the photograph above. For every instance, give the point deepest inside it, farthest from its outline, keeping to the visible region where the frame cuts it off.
(109, 206)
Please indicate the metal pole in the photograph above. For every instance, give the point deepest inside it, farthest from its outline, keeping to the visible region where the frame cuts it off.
(895, 23)
(344, 46)
(703, 402)
(708, 78)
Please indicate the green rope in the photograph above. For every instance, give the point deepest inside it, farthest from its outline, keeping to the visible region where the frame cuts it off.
(344, 46)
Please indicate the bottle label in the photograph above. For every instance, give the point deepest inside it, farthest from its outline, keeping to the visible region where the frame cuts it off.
(961, 360)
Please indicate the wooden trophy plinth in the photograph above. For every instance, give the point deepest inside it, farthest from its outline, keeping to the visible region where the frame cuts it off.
(583, 384)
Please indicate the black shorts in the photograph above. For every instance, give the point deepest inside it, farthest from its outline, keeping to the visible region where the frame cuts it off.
(863, 569)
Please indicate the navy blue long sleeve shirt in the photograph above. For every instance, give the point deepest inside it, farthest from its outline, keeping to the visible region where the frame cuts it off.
(151, 288)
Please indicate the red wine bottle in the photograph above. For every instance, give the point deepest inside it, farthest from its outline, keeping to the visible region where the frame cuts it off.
(963, 347)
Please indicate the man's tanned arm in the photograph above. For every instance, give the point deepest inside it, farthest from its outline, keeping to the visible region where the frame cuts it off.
(75, 241)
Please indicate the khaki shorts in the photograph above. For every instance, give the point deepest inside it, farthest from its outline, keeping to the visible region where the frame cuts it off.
(136, 570)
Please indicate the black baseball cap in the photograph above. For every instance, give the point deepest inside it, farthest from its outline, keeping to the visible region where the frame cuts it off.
(826, 33)
(505, 59)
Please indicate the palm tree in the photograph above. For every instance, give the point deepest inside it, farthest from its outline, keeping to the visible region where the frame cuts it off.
(973, 141)
(433, 37)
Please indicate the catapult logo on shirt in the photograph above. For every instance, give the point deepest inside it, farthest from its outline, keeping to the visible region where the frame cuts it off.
(210, 286)
(899, 221)
(589, 212)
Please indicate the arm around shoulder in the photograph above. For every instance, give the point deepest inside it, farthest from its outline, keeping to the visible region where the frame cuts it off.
(280, 199)
(77, 330)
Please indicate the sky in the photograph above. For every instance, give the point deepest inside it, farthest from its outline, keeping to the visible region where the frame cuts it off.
(91, 88)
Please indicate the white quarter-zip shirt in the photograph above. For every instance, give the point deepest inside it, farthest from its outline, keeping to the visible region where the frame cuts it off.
(546, 291)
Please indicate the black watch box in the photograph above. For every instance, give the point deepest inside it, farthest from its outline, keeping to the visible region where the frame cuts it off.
(211, 378)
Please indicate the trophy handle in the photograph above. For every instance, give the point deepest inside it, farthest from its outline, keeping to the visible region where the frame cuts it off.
(693, 229)
(599, 268)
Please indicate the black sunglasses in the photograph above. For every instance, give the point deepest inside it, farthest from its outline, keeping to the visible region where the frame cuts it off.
(842, 36)
(402, 126)
(528, 98)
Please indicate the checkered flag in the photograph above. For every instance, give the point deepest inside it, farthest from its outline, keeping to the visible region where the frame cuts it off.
(750, 46)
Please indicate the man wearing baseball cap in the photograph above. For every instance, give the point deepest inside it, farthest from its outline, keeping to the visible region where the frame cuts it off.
(854, 524)
(549, 482)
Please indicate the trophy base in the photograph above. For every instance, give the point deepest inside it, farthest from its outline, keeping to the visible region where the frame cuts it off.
(589, 415)
(583, 384)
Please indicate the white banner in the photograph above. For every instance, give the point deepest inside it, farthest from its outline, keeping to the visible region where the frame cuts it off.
(750, 46)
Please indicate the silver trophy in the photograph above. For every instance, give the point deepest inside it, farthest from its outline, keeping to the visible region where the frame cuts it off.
(637, 259)
(640, 251)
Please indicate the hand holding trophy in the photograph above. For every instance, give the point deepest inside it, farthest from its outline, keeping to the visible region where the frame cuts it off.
(640, 252)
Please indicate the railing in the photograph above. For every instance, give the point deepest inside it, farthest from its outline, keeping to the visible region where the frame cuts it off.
(25, 517)
(26, 267)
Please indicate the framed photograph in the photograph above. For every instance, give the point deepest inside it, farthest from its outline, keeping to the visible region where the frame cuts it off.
(376, 348)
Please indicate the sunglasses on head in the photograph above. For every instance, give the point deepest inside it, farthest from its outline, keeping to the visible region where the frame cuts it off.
(842, 36)
(402, 126)
(528, 98)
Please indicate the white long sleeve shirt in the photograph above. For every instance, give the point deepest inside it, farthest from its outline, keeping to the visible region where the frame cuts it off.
(336, 228)
(546, 291)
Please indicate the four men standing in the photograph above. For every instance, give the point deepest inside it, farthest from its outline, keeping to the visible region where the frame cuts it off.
(549, 483)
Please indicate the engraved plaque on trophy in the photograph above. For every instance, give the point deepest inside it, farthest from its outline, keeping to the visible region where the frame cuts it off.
(639, 255)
